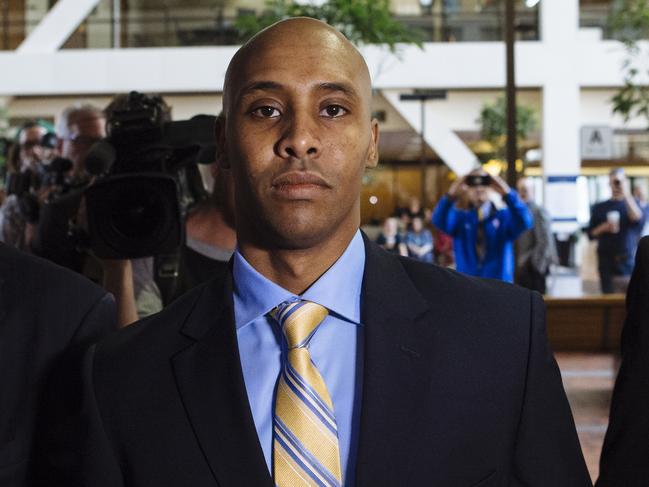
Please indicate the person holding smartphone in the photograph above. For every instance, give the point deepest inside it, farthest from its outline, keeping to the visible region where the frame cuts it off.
(483, 233)
(614, 223)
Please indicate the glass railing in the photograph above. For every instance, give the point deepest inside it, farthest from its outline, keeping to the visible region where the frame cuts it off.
(206, 27)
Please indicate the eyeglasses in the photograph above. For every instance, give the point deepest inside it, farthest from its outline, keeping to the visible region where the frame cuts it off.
(83, 140)
(30, 144)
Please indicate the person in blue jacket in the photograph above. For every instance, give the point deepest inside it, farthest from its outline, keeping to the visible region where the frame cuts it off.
(482, 233)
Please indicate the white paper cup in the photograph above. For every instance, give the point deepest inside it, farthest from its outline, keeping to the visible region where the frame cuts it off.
(613, 217)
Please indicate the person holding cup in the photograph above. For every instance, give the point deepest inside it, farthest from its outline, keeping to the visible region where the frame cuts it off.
(614, 224)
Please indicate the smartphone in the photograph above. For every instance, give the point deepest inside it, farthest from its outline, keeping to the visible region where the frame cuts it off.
(478, 180)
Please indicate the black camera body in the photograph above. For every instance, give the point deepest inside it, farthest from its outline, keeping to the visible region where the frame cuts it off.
(148, 180)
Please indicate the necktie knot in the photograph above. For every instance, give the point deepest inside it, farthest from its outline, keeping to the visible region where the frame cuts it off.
(299, 320)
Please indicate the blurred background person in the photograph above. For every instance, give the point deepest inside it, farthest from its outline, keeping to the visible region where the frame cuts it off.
(57, 238)
(80, 126)
(390, 239)
(211, 238)
(483, 234)
(536, 250)
(415, 209)
(419, 241)
(23, 181)
(640, 195)
(615, 224)
(443, 249)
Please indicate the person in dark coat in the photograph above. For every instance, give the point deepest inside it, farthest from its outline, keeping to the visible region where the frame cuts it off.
(47, 314)
(624, 455)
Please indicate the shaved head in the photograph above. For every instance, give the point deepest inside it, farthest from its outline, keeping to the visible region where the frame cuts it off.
(282, 41)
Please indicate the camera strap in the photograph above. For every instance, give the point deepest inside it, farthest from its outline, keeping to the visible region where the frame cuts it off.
(167, 271)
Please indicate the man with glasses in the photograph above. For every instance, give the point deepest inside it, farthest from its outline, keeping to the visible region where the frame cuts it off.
(78, 128)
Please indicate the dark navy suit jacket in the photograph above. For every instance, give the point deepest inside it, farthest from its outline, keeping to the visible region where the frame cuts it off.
(460, 389)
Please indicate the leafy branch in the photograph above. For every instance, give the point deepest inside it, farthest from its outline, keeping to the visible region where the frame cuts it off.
(629, 22)
(361, 21)
(493, 124)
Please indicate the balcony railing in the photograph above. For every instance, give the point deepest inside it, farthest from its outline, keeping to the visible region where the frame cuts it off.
(162, 28)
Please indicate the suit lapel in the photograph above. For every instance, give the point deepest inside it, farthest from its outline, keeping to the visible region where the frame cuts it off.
(3, 302)
(210, 381)
(393, 370)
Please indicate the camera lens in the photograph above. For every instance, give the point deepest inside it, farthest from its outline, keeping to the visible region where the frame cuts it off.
(137, 214)
(134, 216)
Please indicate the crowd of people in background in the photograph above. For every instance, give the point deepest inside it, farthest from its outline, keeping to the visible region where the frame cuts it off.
(474, 227)
(43, 212)
(481, 226)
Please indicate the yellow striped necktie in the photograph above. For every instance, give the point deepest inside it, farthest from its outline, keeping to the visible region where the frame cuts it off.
(305, 434)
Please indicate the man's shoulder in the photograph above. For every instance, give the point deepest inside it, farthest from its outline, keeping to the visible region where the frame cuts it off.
(38, 277)
(135, 356)
(434, 281)
(457, 306)
(161, 333)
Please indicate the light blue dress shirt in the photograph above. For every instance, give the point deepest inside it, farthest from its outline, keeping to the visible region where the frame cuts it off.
(336, 346)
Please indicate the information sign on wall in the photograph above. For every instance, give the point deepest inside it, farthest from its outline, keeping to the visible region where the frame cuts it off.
(597, 142)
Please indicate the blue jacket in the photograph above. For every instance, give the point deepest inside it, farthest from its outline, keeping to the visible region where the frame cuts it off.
(501, 228)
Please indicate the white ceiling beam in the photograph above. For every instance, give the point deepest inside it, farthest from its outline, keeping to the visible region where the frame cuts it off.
(448, 146)
(57, 26)
(202, 69)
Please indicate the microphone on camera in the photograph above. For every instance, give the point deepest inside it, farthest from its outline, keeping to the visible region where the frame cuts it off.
(101, 158)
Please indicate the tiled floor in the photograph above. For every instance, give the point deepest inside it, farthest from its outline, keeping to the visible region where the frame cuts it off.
(588, 380)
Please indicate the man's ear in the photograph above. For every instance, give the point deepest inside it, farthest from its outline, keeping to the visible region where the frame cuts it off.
(373, 152)
(219, 132)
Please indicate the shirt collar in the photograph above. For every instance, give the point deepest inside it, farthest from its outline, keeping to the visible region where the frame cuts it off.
(338, 289)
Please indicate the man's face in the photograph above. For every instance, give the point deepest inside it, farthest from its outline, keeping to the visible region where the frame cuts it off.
(84, 132)
(617, 181)
(30, 146)
(298, 136)
(417, 225)
(479, 195)
(523, 190)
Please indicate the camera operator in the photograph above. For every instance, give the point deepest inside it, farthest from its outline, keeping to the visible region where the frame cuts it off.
(24, 184)
(79, 127)
(143, 285)
(483, 233)
(209, 244)
(615, 223)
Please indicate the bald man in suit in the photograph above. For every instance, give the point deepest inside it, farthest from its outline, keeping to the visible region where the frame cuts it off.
(411, 375)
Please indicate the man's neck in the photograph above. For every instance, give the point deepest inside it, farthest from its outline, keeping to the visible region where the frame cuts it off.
(296, 270)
